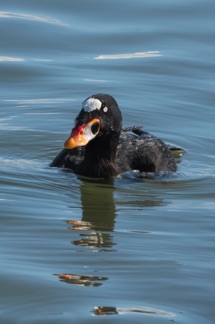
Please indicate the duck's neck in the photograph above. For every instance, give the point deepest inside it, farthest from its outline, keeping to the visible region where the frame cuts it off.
(100, 156)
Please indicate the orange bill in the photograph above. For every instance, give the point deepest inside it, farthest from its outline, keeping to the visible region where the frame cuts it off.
(81, 135)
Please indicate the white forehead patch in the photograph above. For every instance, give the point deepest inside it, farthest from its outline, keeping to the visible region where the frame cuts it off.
(92, 104)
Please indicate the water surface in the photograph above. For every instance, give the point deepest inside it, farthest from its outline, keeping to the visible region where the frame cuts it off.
(134, 250)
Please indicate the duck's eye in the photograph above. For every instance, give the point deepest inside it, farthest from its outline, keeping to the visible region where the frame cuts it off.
(95, 128)
(105, 109)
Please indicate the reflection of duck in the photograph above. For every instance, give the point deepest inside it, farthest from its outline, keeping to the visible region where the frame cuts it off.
(81, 280)
(99, 148)
(98, 216)
(98, 205)
(99, 212)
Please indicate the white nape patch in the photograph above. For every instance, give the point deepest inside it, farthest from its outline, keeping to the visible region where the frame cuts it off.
(92, 104)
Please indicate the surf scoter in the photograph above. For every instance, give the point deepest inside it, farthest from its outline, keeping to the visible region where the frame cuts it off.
(98, 147)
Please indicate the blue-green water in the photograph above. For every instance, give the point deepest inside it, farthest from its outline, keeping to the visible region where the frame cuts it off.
(144, 247)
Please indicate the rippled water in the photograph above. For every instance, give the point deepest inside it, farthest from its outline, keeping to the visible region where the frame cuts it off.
(134, 250)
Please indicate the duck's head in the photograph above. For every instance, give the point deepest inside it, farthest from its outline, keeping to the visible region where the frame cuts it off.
(99, 116)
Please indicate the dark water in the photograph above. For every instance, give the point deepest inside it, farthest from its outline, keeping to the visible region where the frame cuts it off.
(143, 248)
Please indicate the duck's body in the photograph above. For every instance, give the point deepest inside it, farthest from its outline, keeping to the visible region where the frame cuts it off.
(145, 153)
(99, 148)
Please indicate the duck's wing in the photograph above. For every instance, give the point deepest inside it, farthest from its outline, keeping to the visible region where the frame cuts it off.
(143, 152)
(69, 159)
(134, 129)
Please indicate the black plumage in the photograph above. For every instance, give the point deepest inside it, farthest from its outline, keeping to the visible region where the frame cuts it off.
(109, 150)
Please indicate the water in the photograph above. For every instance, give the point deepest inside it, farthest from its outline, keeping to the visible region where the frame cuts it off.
(72, 248)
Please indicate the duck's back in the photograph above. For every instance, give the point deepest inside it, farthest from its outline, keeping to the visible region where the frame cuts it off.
(143, 152)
